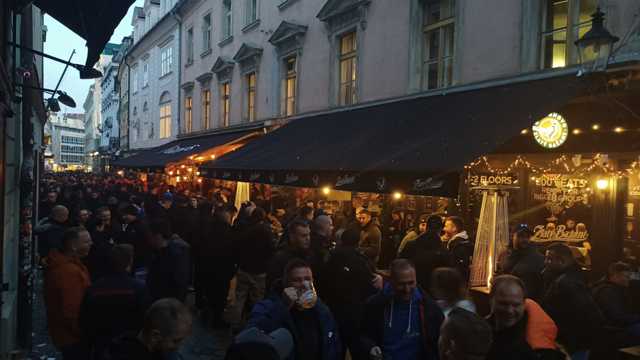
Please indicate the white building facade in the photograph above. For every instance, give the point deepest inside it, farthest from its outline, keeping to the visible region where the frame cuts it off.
(67, 134)
(154, 75)
(109, 136)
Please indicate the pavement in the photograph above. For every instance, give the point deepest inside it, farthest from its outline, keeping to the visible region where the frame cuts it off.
(204, 343)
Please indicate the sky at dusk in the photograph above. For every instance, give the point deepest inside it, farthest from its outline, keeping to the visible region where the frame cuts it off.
(60, 42)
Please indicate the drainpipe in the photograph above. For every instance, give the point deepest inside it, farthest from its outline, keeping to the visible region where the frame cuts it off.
(178, 19)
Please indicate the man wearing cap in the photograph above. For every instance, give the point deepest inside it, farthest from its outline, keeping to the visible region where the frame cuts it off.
(135, 232)
(524, 261)
(161, 209)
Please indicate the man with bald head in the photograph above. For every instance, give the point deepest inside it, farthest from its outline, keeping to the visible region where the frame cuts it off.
(51, 229)
(321, 237)
(166, 325)
(521, 329)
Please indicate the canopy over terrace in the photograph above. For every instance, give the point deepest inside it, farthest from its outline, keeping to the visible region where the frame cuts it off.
(415, 145)
(93, 20)
(194, 148)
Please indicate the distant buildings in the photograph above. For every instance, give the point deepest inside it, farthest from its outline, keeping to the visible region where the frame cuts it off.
(67, 142)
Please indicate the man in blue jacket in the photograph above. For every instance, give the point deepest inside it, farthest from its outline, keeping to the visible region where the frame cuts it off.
(401, 322)
(298, 309)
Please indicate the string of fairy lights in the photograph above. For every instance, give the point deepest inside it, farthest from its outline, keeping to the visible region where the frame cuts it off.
(564, 163)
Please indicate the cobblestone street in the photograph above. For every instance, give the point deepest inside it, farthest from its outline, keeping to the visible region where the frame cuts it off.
(204, 344)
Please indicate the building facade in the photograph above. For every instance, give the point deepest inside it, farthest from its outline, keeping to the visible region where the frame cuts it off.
(67, 140)
(22, 118)
(122, 81)
(93, 113)
(154, 74)
(110, 99)
(255, 60)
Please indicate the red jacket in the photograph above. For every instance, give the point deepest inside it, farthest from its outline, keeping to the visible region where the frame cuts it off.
(66, 281)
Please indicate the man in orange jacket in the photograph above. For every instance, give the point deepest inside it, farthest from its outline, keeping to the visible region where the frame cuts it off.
(66, 281)
(521, 329)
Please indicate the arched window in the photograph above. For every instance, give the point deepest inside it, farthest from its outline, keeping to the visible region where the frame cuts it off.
(165, 115)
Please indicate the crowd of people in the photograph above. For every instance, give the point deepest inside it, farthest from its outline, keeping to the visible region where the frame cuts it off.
(126, 266)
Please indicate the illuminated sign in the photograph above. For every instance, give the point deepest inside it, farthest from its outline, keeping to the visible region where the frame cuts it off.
(551, 131)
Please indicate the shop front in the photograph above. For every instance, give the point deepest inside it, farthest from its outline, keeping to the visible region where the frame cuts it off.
(573, 177)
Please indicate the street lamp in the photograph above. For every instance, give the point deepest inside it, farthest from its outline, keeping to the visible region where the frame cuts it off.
(594, 47)
(53, 103)
(86, 72)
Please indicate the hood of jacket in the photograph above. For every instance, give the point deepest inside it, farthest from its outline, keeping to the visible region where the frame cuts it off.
(541, 331)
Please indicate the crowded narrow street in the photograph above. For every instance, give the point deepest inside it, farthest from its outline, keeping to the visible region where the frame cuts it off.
(320, 179)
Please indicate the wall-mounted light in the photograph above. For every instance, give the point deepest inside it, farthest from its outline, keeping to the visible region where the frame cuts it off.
(618, 129)
(213, 156)
(170, 173)
(326, 190)
(595, 127)
(524, 131)
(397, 195)
(602, 184)
(577, 131)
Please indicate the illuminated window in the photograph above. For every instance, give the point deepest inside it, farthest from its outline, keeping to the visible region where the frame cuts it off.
(439, 40)
(165, 120)
(289, 85)
(225, 103)
(564, 22)
(206, 108)
(188, 114)
(348, 69)
(251, 96)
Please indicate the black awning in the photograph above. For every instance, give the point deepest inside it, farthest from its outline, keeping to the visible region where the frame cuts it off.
(416, 145)
(179, 150)
(93, 20)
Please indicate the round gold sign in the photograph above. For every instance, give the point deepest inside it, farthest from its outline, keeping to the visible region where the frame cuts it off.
(551, 131)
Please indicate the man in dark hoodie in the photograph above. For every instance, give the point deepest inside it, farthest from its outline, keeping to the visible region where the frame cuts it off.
(427, 252)
(167, 324)
(170, 268)
(401, 322)
(569, 302)
(135, 232)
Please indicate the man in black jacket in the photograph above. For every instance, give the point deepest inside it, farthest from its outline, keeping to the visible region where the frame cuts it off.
(612, 295)
(103, 234)
(215, 266)
(167, 324)
(299, 246)
(401, 322)
(348, 282)
(525, 262)
(253, 253)
(427, 252)
(170, 269)
(114, 304)
(135, 232)
(50, 231)
(569, 302)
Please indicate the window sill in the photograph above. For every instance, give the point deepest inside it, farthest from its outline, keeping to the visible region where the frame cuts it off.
(166, 75)
(145, 86)
(226, 41)
(206, 52)
(251, 26)
(285, 4)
